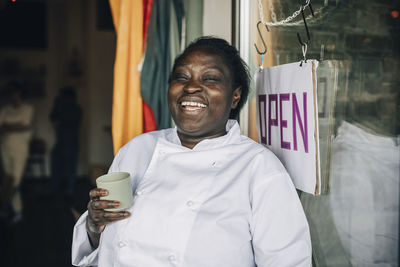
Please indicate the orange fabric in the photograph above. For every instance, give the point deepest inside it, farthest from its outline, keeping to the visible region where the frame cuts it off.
(149, 120)
(127, 113)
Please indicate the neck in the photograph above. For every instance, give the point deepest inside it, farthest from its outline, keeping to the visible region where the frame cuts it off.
(191, 141)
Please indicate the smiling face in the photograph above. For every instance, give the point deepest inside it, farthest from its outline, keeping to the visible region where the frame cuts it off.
(200, 96)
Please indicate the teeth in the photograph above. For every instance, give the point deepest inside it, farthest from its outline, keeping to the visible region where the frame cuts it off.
(193, 104)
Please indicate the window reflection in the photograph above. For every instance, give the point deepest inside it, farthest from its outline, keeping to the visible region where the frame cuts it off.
(355, 222)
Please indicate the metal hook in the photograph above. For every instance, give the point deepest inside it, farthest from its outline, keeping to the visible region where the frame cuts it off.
(262, 40)
(311, 9)
(265, 46)
(307, 31)
(308, 3)
(304, 44)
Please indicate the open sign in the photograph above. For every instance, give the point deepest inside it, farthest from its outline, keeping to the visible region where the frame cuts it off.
(287, 120)
(274, 116)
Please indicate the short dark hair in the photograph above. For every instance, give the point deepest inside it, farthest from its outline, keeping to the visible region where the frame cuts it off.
(237, 67)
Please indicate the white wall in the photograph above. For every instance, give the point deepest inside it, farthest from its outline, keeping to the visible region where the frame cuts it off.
(217, 18)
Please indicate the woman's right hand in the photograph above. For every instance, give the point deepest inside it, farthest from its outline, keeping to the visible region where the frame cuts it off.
(98, 218)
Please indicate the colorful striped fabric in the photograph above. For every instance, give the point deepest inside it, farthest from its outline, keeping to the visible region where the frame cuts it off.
(153, 28)
(127, 113)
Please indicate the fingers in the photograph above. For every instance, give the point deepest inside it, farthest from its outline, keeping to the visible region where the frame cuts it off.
(97, 222)
(96, 193)
(115, 216)
(103, 218)
(98, 218)
(97, 204)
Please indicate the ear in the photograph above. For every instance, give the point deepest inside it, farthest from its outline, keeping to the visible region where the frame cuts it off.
(237, 93)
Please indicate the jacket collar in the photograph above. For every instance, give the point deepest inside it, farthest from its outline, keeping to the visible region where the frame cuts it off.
(232, 136)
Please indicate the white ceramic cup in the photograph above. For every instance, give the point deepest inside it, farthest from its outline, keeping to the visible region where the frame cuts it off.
(119, 188)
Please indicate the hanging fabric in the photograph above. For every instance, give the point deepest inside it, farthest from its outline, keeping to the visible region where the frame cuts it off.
(127, 114)
(174, 30)
(193, 19)
(147, 7)
(149, 120)
(157, 62)
(154, 76)
(287, 118)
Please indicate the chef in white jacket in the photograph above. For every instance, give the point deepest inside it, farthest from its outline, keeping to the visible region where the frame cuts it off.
(205, 196)
(15, 135)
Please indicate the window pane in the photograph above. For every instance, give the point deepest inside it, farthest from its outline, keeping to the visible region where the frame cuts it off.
(355, 220)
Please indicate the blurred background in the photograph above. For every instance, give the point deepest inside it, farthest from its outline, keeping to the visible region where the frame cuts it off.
(46, 46)
(60, 56)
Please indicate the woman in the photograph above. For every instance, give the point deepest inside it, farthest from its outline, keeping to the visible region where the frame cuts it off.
(15, 134)
(204, 194)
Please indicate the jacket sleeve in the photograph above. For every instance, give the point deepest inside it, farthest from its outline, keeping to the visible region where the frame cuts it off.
(279, 227)
(82, 252)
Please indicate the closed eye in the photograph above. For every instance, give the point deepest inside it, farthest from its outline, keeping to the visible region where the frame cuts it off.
(211, 78)
(180, 77)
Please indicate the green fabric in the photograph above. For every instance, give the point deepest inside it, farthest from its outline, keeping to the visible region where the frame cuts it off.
(194, 19)
(180, 14)
(174, 34)
(158, 59)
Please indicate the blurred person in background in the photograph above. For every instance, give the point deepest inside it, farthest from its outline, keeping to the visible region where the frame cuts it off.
(66, 116)
(15, 134)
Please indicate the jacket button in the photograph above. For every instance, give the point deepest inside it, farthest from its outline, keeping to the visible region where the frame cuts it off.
(189, 203)
(171, 258)
(121, 244)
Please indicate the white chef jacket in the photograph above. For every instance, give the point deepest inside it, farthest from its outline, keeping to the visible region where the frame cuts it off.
(226, 202)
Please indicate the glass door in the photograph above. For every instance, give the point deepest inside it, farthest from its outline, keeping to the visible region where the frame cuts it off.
(355, 220)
